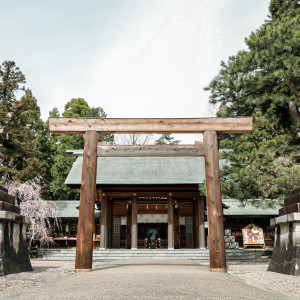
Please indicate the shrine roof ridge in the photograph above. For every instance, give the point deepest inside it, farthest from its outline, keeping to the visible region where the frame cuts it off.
(143, 170)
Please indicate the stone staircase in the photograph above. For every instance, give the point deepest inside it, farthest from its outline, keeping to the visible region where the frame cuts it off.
(120, 254)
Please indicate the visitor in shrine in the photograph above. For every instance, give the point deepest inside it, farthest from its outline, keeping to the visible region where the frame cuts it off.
(152, 236)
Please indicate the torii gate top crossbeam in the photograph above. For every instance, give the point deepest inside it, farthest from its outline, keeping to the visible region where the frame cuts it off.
(150, 125)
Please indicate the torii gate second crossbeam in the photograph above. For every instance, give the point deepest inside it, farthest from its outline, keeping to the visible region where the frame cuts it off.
(91, 127)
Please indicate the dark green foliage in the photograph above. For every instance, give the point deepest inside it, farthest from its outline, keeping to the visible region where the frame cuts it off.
(10, 79)
(262, 82)
(166, 138)
(27, 149)
(261, 163)
(266, 75)
(62, 161)
(278, 7)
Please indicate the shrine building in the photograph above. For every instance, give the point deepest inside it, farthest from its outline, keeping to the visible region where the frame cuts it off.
(153, 181)
(161, 193)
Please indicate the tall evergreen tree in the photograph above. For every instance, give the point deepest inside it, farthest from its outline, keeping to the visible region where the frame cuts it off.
(262, 82)
(62, 161)
(265, 76)
(27, 149)
(10, 79)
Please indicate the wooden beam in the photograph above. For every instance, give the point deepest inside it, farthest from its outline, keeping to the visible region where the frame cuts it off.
(147, 187)
(142, 187)
(214, 203)
(150, 125)
(149, 194)
(151, 150)
(84, 248)
(146, 150)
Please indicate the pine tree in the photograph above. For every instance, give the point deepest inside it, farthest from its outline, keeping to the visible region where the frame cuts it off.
(267, 75)
(262, 82)
(27, 147)
(10, 79)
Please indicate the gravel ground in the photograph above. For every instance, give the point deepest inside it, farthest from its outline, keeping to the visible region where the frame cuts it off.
(137, 279)
(256, 274)
(43, 272)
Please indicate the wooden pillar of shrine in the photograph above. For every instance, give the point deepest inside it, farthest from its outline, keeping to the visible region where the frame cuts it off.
(214, 203)
(134, 229)
(108, 233)
(84, 249)
(103, 230)
(170, 221)
(202, 221)
(196, 223)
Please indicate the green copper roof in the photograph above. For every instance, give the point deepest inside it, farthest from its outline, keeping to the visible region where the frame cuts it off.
(67, 208)
(236, 209)
(70, 209)
(143, 170)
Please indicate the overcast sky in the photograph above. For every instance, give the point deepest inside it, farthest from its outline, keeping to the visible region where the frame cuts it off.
(134, 58)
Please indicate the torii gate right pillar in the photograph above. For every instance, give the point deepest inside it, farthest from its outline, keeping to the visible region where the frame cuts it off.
(214, 203)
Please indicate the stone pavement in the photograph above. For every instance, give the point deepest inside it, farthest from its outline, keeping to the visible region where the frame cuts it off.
(141, 279)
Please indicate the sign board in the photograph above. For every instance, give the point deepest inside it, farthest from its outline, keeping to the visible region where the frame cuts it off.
(253, 236)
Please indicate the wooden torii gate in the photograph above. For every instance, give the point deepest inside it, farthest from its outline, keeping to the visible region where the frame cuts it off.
(91, 127)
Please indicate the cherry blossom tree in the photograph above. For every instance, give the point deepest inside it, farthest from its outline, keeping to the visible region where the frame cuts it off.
(38, 210)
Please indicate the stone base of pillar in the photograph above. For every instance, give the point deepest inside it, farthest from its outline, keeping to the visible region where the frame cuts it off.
(83, 270)
(102, 236)
(220, 270)
(286, 253)
(14, 254)
(134, 237)
(170, 237)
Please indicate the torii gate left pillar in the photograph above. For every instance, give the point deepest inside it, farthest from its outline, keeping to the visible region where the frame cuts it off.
(84, 252)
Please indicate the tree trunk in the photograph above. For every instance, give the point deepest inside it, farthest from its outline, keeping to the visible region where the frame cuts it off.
(293, 104)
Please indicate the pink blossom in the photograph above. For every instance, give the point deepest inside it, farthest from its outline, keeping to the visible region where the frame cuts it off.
(38, 210)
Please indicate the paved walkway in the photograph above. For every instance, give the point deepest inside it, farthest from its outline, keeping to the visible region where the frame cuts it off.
(147, 280)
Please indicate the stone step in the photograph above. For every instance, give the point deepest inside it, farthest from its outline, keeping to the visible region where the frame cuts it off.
(289, 209)
(114, 254)
(295, 190)
(133, 251)
(293, 199)
(7, 197)
(147, 257)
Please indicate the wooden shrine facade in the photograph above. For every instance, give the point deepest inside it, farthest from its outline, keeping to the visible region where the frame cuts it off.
(91, 127)
(129, 212)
